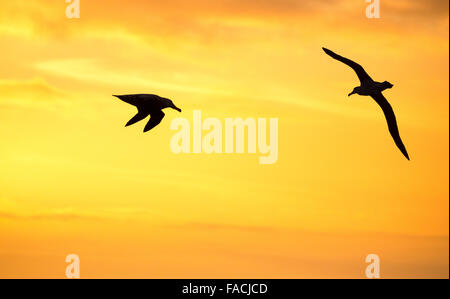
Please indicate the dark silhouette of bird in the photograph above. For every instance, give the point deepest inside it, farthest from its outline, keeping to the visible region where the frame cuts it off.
(369, 87)
(148, 104)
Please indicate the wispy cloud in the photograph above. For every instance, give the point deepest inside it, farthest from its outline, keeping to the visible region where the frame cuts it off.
(424, 9)
(91, 72)
(30, 93)
(211, 226)
(57, 215)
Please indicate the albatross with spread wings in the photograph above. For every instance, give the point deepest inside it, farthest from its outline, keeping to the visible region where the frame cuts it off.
(369, 87)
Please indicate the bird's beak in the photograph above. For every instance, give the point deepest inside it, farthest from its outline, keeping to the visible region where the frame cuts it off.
(176, 108)
(351, 93)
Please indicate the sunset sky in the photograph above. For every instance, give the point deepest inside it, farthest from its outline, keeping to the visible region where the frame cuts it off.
(73, 179)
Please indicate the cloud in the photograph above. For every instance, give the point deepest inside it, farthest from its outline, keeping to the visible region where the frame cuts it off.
(209, 226)
(217, 226)
(25, 18)
(19, 210)
(30, 93)
(93, 72)
(407, 8)
(161, 21)
(49, 20)
(55, 215)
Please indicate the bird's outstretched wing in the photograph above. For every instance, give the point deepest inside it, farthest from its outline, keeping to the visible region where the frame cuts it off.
(362, 75)
(155, 119)
(391, 121)
(138, 117)
(130, 99)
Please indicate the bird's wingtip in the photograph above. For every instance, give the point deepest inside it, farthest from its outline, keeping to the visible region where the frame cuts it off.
(326, 50)
(405, 153)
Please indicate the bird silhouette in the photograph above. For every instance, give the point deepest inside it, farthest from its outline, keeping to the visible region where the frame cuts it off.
(147, 104)
(369, 87)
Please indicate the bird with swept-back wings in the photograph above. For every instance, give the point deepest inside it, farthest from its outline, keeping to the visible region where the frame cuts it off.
(148, 104)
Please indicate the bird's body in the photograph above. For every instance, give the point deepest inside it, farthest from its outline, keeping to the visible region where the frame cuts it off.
(374, 89)
(148, 104)
(370, 88)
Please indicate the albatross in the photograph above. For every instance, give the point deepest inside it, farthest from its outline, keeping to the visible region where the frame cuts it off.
(147, 104)
(369, 87)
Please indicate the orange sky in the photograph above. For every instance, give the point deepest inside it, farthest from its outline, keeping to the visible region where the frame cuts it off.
(74, 180)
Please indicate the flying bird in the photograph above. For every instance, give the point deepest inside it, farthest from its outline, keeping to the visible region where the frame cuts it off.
(148, 104)
(369, 87)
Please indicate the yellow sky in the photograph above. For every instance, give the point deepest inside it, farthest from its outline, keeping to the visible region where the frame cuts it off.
(74, 180)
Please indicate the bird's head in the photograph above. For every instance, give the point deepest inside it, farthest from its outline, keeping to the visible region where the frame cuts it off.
(355, 90)
(170, 104)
